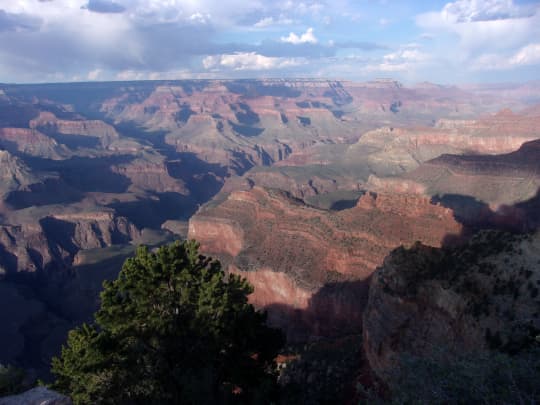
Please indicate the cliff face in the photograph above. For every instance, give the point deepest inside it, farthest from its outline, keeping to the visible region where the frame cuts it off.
(149, 172)
(299, 257)
(15, 174)
(23, 248)
(48, 123)
(52, 241)
(31, 142)
(391, 151)
(481, 296)
(494, 180)
(237, 125)
(241, 124)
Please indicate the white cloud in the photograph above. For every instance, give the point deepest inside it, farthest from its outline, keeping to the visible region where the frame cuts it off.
(131, 75)
(462, 11)
(94, 74)
(306, 38)
(492, 35)
(528, 55)
(249, 61)
(303, 8)
(200, 18)
(485, 25)
(407, 59)
(271, 21)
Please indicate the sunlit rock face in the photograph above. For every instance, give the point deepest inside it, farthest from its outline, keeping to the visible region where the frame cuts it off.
(310, 267)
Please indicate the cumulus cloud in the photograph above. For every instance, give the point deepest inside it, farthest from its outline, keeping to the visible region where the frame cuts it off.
(103, 6)
(306, 38)
(485, 24)
(18, 22)
(405, 59)
(493, 35)
(94, 74)
(528, 55)
(485, 10)
(44, 40)
(200, 18)
(250, 61)
(271, 21)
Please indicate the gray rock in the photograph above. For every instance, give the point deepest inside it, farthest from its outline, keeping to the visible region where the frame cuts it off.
(37, 396)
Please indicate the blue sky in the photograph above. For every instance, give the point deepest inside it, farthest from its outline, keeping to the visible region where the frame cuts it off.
(462, 41)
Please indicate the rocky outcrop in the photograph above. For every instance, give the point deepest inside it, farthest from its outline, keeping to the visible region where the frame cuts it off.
(494, 180)
(15, 174)
(481, 296)
(31, 142)
(302, 259)
(23, 248)
(52, 241)
(391, 151)
(148, 172)
(37, 396)
(49, 123)
(90, 229)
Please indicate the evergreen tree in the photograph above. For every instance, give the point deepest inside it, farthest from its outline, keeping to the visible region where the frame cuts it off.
(171, 329)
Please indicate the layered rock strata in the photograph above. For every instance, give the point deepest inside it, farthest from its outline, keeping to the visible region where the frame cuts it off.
(310, 267)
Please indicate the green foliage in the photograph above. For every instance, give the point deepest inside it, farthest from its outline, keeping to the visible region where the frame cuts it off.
(11, 380)
(171, 329)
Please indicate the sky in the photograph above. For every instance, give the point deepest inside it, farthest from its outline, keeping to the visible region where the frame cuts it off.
(463, 41)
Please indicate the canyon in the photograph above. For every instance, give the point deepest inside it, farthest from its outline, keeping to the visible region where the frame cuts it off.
(303, 187)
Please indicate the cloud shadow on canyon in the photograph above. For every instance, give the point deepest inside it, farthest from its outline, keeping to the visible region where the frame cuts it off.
(476, 215)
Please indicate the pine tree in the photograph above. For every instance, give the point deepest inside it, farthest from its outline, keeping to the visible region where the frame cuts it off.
(172, 328)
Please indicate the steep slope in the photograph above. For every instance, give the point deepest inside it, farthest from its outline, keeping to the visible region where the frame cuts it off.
(31, 142)
(500, 191)
(310, 266)
(48, 123)
(48, 238)
(484, 295)
(391, 151)
(495, 180)
(15, 174)
(238, 125)
(148, 171)
(243, 123)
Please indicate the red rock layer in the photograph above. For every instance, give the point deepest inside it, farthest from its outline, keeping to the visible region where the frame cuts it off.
(149, 172)
(48, 122)
(53, 240)
(31, 142)
(309, 266)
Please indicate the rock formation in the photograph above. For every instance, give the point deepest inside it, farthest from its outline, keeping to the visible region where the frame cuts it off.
(392, 151)
(149, 172)
(480, 296)
(15, 174)
(37, 396)
(303, 260)
(48, 123)
(31, 142)
(53, 237)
